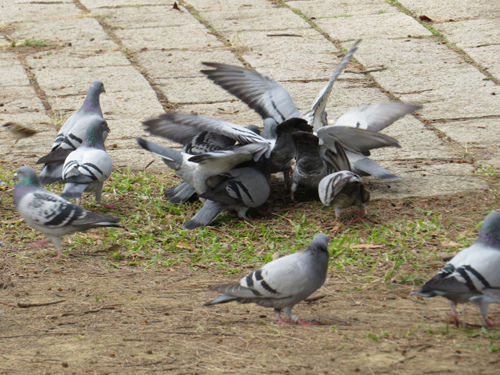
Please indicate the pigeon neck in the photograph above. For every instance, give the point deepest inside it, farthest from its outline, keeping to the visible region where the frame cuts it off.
(28, 183)
(491, 239)
(91, 102)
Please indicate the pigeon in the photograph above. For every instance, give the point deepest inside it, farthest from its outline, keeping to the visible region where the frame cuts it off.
(18, 131)
(282, 283)
(238, 189)
(371, 119)
(310, 167)
(342, 188)
(50, 214)
(471, 275)
(277, 148)
(71, 135)
(86, 168)
(194, 170)
(183, 128)
(267, 97)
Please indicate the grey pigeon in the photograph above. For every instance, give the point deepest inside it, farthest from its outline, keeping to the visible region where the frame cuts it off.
(342, 188)
(238, 189)
(282, 283)
(310, 167)
(183, 127)
(473, 274)
(86, 168)
(50, 214)
(194, 170)
(71, 135)
(267, 97)
(371, 119)
(187, 129)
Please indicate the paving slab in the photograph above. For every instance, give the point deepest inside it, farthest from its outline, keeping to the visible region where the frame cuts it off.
(149, 54)
(453, 9)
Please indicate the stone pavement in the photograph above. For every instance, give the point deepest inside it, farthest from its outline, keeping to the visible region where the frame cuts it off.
(149, 54)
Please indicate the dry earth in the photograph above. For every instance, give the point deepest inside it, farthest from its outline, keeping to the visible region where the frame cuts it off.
(102, 316)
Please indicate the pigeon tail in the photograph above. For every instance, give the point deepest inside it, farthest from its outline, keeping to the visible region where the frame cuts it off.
(73, 191)
(367, 166)
(221, 299)
(180, 193)
(205, 216)
(168, 154)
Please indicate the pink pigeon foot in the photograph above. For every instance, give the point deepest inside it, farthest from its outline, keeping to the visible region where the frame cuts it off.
(40, 244)
(302, 323)
(489, 323)
(281, 321)
(59, 254)
(108, 206)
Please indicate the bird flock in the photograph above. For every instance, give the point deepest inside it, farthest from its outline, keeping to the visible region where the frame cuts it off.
(228, 167)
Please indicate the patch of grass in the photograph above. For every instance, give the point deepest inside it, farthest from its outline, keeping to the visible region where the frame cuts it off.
(30, 42)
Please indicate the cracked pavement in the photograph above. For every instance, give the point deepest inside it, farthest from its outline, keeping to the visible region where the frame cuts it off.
(149, 54)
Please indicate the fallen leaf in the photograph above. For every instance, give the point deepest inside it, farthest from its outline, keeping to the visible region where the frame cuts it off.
(449, 244)
(366, 246)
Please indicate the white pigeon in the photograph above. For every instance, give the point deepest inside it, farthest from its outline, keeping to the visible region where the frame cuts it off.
(50, 214)
(282, 283)
(71, 135)
(86, 168)
(473, 274)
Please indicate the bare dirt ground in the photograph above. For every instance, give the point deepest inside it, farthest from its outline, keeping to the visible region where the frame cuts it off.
(89, 314)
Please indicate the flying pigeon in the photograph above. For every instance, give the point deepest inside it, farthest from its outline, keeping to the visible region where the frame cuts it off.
(471, 275)
(267, 97)
(71, 135)
(50, 214)
(282, 283)
(86, 168)
(18, 131)
(238, 189)
(342, 188)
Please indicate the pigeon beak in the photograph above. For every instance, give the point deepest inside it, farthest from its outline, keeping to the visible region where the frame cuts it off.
(107, 127)
(15, 178)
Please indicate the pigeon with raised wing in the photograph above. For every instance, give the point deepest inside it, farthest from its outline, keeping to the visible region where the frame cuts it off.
(282, 283)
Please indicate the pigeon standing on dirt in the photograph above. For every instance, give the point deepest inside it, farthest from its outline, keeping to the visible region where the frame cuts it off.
(86, 168)
(18, 131)
(50, 214)
(282, 283)
(473, 274)
(71, 135)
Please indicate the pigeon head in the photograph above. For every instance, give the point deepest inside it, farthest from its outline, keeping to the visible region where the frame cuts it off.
(94, 137)
(489, 233)
(91, 101)
(26, 177)
(320, 242)
(27, 180)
